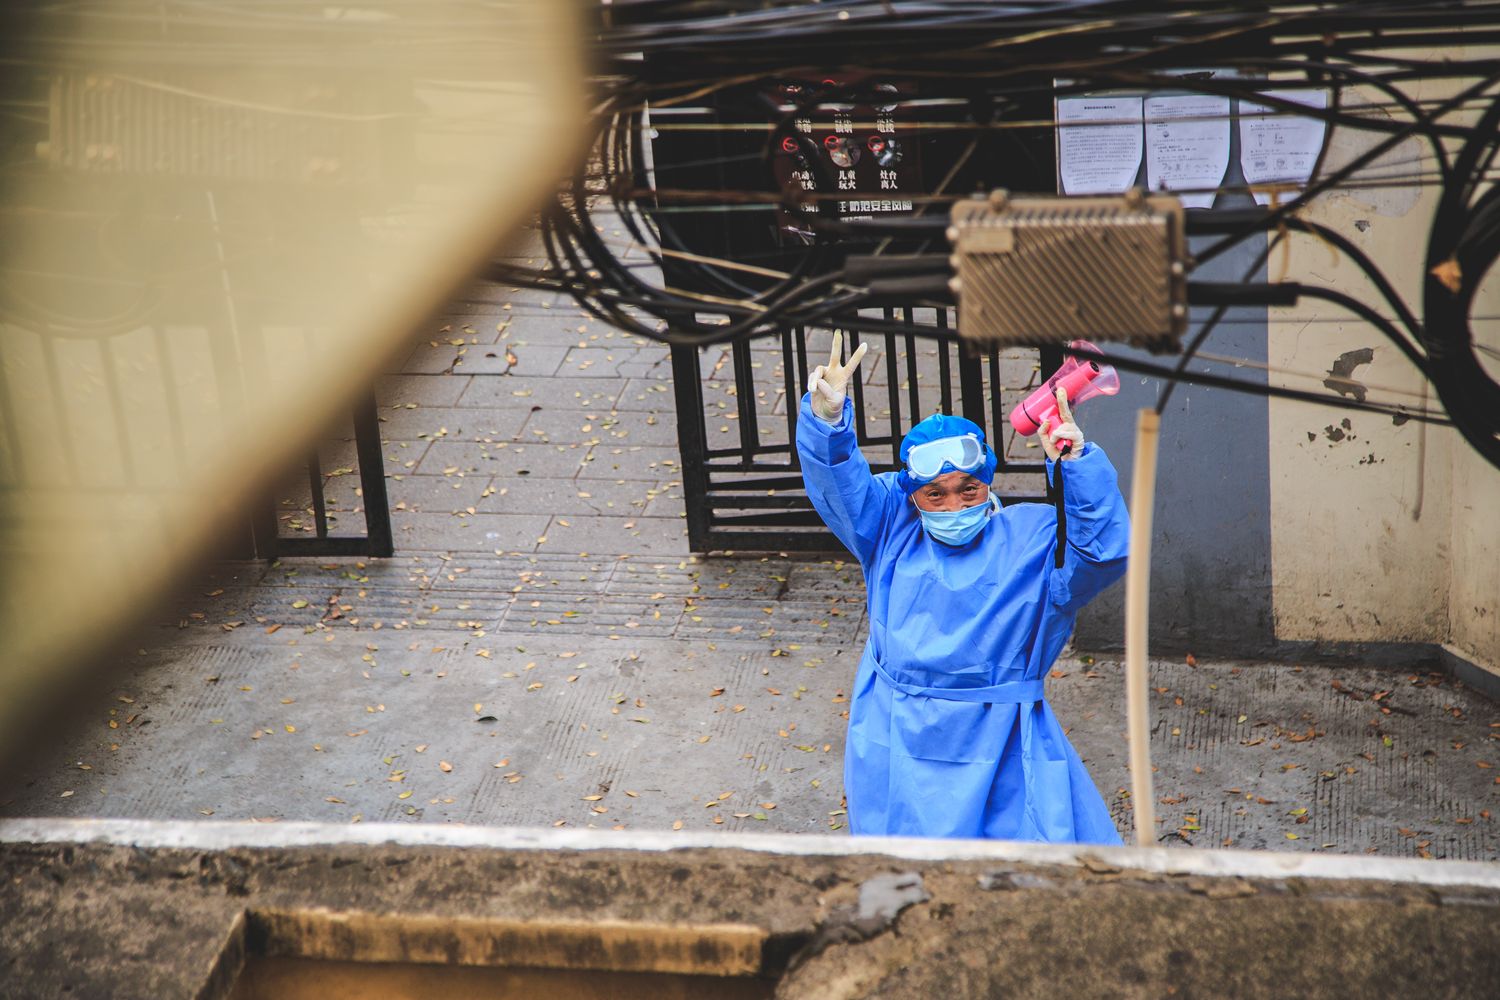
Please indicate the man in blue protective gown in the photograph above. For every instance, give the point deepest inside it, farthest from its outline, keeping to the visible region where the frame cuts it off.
(949, 733)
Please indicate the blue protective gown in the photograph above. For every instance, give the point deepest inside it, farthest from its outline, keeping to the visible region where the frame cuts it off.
(949, 734)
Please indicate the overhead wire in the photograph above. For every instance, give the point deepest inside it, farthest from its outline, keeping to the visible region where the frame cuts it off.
(725, 56)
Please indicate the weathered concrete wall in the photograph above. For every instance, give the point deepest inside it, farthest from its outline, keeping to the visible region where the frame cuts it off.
(172, 910)
(1361, 505)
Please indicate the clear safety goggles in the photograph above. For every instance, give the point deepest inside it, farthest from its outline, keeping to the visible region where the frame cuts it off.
(964, 453)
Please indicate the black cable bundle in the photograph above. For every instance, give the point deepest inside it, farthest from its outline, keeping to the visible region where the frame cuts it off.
(987, 63)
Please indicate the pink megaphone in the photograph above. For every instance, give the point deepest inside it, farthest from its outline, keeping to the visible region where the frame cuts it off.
(1083, 379)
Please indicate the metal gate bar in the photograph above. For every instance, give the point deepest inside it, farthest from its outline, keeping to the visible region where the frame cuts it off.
(315, 488)
(745, 399)
(914, 406)
(893, 388)
(377, 541)
(692, 442)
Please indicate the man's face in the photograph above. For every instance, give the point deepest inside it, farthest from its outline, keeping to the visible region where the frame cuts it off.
(951, 491)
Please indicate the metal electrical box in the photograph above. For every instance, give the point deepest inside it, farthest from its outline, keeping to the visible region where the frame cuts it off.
(1045, 270)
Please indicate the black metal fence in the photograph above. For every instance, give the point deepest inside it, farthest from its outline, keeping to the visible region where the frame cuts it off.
(150, 380)
(301, 520)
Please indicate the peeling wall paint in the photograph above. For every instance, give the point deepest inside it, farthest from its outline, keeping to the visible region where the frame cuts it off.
(1359, 504)
(1341, 374)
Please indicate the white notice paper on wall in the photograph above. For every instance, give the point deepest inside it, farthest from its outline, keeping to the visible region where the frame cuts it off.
(1187, 145)
(1279, 147)
(1099, 144)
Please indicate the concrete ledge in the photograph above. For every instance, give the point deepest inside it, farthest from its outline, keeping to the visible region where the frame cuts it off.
(214, 910)
(213, 836)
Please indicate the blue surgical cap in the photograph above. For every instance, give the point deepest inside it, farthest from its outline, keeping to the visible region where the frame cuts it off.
(935, 428)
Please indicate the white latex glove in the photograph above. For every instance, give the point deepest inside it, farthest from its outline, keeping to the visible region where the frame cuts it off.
(828, 383)
(1065, 434)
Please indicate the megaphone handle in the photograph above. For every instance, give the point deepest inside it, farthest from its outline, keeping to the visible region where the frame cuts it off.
(1064, 417)
(1045, 429)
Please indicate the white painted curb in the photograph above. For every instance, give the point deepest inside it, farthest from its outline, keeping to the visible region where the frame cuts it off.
(209, 835)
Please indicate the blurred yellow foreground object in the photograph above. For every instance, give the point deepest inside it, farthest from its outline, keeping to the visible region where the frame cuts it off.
(221, 221)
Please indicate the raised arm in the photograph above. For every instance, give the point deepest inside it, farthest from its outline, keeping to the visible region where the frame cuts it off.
(851, 501)
(1098, 522)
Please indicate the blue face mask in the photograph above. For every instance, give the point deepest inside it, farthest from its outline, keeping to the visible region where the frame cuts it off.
(958, 527)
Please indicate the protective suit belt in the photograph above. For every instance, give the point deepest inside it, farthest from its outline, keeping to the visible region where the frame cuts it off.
(1011, 692)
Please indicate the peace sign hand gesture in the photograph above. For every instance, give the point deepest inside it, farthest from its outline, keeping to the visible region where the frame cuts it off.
(828, 383)
(1066, 440)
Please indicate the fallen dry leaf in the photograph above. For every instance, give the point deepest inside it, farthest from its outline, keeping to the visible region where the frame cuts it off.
(1449, 275)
